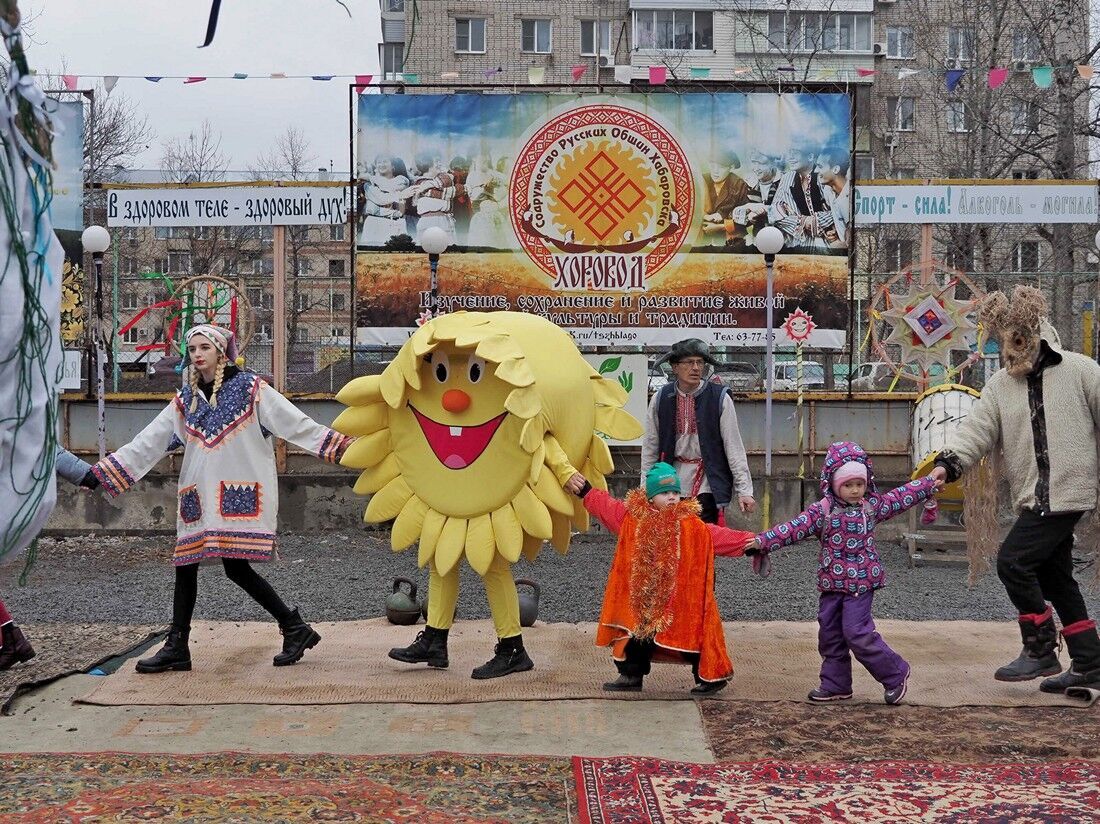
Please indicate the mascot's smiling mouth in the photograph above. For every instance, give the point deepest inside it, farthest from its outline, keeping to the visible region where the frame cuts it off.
(457, 447)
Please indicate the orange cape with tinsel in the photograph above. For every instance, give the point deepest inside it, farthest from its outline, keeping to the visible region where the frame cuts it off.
(661, 586)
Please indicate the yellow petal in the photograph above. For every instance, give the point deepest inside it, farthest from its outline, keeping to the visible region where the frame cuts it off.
(531, 546)
(600, 455)
(393, 385)
(374, 478)
(451, 542)
(388, 501)
(538, 458)
(499, 348)
(608, 393)
(361, 391)
(507, 533)
(533, 515)
(421, 342)
(617, 423)
(581, 520)
(369, 450)
(409, 364)
(561, 535)
(409, 524)
(549, 491)
(429, 536)
(524, 403)
(594, 476)
(530, 438)
(516, 372)
(480, 543)
(362, 420)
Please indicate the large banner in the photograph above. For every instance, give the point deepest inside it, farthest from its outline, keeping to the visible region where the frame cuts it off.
(1063, 201)
(626, 219)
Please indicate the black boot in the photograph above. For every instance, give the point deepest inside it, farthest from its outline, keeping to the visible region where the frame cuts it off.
(624, 683)
(1039, 655)
(430, 647)
(1084, 668)
(298, 636)
(174, 655)
(508, 657)
(15, 647)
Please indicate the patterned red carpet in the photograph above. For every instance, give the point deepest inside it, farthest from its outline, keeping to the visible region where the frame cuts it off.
(645, 791)
(434, 788)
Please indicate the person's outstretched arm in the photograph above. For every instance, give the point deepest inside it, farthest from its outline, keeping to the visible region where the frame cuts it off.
(123, 468)
(730, 543)
(805, 525)
(904, 497)
(285, 420)
(609, 510)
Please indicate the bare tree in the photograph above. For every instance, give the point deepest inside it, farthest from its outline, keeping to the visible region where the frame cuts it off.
(118, 134)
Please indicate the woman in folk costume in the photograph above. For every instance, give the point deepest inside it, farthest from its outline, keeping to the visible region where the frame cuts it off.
(228, 491)
(659, 603)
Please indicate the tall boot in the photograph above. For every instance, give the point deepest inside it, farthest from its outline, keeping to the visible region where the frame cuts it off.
(508, 657)
(430, 647)
(1084, 654)
(15, 647)
(1039, 655)
(298, 636)
(174, 655)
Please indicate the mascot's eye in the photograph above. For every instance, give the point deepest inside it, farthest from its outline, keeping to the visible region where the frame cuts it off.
(475, 369)
(441, 366)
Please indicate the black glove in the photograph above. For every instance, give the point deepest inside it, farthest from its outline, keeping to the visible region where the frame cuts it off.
(89, 481)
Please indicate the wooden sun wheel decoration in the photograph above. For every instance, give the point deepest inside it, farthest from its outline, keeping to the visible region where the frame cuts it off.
(927, 323)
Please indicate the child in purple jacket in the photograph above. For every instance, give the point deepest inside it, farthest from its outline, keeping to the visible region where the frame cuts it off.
(850, 571)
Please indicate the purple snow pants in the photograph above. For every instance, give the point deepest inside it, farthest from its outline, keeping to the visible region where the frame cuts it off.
(845, 625)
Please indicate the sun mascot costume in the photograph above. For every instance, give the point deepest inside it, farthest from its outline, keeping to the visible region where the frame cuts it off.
(465, 440)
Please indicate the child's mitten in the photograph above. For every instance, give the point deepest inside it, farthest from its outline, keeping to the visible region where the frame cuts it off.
(762, 564)
(930, 511)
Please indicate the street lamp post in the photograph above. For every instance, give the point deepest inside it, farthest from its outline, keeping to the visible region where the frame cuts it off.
(97, 240)
(434, 241)
(769, 241)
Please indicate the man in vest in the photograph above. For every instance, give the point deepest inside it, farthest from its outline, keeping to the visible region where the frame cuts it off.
(693, 426)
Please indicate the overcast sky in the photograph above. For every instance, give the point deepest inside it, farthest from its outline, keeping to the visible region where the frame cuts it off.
(160, 37)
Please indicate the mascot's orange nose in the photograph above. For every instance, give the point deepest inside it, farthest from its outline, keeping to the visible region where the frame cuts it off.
(455, 400)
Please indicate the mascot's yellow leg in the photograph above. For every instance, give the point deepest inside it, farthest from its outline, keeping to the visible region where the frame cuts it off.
(442, 597)
(500, 589)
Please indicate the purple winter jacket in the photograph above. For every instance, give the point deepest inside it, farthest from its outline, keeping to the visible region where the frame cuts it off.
(849, 562)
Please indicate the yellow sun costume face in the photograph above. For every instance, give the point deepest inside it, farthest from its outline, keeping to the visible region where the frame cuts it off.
(468, 435)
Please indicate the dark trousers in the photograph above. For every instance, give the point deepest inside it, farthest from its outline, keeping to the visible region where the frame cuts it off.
(239, 572)
(639, 656)
(708, 508)
(1036, 565)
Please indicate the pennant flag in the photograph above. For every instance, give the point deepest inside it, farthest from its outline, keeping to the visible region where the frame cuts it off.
(1085, 72)
(193, 80)
(109, 82)
(906, 73)
(624, 74)
(278, 75)
(658, 75)
(784, 68)
(449, 76)
(536, 74)
(69, 80)
(997, 77)
(490, 72)
(362, 81)
(865, 72)
(1043, 76)
(240, 76)
(953, 77)
(578, 72)
(700, 72)
(410, 79)
(154, 79)
(322, 77)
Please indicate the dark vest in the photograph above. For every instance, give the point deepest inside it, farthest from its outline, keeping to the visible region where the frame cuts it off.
(708, 411)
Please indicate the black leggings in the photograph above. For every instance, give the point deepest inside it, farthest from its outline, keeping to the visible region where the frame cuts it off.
(241, 573)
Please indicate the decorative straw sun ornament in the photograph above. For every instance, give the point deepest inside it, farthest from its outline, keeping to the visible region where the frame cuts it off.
(468, 435)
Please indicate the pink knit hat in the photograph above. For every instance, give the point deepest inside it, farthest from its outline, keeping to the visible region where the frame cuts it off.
(851, 471)
(224, 340)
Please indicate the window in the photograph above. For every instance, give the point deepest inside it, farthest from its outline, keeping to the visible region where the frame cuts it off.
(1026, 256)
(898, 253)
(905, 173)
(819, 32)
(303, 266)
(130, 335)
(962, 259)
(160, 265)
(958, 118)
(229, 264)
(535, 36)
(301, 335)
(127, 266)
(131, 233)
(588, 37)
(393, 5)
(470, 35)
(674, 29)
(266, 233)
(339, 332)
(264, 266)
(960, 44)
(301, 302)
(899, 42)
(264, 332)
(130, 300)
(260, 299)
(1025, 44)
(1025, 174)
(179, 262)
(338, 302)
(1025, 117)
(899, 113)
(393, 60)
(336, 268)
(864, 167)
(336, 231)
(161, 232)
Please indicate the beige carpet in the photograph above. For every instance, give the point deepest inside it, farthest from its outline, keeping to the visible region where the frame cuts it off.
(953, 663)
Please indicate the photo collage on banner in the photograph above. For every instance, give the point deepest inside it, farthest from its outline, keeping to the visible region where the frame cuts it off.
(625, 219)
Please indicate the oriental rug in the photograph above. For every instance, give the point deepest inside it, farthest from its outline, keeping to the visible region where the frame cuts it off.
(434, 788)
(650, 791)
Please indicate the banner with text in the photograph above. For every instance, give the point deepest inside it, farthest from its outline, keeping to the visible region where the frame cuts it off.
(229, 206)
(625, 219)
(977, 202)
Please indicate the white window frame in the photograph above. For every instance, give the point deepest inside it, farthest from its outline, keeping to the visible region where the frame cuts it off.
(470, 24)
(301, 334)
(605, 37)
(533, 45)
(130, 299)
(899, 43)
(393, 60)
(899, 252)
(863, 158)
(303, 267)
(905, 173)
(1018, 255)
(807, 32)
(393, 6)
(1025, 174)
(901, 111)
(302, 302)
(336, 231)
(131, 233)
(179, 258)
(696, 45)
(960, 43)
(958, 117)
(263, 266)
(1025, 45)
(130, 336)
(1025, 117)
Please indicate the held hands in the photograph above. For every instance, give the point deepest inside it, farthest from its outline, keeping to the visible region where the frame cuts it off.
(940, 474)
(575, 483)
(747, 504)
